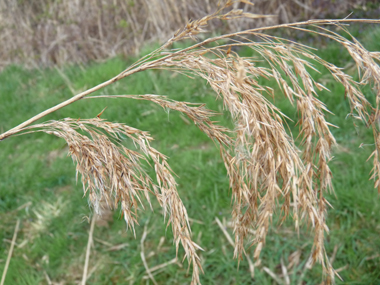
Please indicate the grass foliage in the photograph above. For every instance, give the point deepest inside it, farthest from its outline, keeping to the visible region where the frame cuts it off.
(270, 171)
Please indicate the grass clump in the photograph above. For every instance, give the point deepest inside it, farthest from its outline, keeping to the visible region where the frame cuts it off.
(269, 170)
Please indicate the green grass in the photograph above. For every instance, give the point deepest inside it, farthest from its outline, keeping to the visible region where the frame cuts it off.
(37, 174)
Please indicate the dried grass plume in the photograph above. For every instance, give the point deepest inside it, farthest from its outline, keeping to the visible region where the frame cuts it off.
(267, 167)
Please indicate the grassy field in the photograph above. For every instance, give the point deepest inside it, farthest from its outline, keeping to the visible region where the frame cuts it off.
(38, 186)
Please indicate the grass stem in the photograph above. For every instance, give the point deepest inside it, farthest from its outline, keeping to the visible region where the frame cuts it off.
(88, 250)
(10, 253)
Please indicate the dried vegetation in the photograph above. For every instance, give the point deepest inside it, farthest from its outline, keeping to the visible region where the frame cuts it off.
(47, 32)
(267, 167)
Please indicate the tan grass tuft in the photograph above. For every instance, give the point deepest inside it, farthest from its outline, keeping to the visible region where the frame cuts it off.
(111, 174)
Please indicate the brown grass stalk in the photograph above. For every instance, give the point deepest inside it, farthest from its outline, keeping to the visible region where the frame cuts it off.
(88, 250)
(267, 167)
(3, 276)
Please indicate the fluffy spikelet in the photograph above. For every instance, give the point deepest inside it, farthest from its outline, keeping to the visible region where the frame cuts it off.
(112, 174)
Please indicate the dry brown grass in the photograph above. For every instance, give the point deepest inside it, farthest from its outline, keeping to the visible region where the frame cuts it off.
(267, 167)
(47, 32)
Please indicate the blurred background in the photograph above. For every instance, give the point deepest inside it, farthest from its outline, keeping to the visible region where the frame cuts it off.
(51, 50)
(49, 32)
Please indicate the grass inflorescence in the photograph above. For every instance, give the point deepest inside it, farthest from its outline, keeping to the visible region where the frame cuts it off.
(272, 172)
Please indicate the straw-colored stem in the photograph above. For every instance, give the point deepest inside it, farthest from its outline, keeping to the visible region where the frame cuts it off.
(68, 102)
(10, 253)
(88, 250)
(287, 25)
